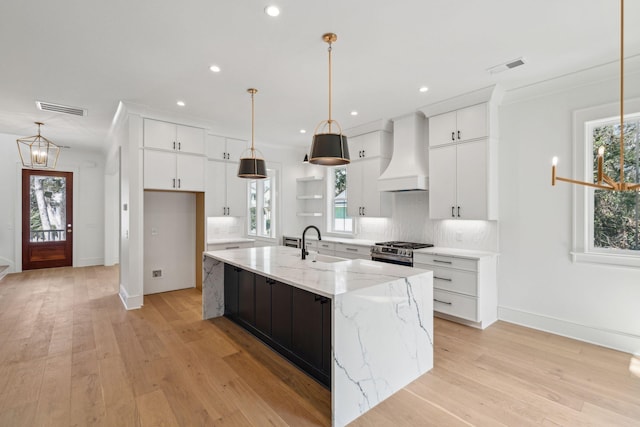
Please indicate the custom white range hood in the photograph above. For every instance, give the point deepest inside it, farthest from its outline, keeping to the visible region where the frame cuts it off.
(408, 170)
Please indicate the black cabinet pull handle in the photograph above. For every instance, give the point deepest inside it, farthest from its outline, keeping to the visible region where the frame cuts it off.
(174, 183)
(442, 302)
(453, 137)
(442, 278)
(179, 183)
(174, 145)
(453, 215)
(363, 154)
(442, 262)
(363, 212)
(352, 249)
(237, 269)
(458, 211)
(317, 298)
(458, 134)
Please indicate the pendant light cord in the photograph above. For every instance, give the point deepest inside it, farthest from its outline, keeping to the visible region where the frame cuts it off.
(329, 50)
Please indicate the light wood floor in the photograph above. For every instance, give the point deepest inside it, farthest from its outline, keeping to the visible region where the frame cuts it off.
(71, 355)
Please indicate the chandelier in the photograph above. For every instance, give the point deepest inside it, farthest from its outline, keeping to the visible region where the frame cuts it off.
(37, 152)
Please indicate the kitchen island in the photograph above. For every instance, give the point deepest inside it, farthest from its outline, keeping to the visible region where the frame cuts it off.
(381, 317)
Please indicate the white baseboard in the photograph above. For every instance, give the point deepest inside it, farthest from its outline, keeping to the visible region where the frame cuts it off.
(617, 340)
(8, 263)
(87, 262)
(130, 302)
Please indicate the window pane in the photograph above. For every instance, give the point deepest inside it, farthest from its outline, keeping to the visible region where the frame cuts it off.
(253, 210)
(341, 221)
(48, 204)
(266, 216)
(616, 214)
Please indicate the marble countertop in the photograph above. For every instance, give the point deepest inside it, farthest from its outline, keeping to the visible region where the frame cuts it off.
(454, 252)
(327, 279)
(229, 240)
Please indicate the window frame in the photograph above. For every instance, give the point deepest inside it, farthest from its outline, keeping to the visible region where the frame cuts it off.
(330, 205)
(272, 178)
(583, 249)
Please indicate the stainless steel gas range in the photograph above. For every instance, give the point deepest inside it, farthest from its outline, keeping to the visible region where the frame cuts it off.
(396, 252)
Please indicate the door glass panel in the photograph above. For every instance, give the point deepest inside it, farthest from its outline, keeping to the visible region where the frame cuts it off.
(48, 204)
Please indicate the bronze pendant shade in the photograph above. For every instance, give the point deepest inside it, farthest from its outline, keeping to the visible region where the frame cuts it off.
(252, 167)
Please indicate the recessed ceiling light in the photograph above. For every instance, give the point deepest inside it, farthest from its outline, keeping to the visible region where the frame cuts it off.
(215, 68)
(272, 10)
(303, 131)
(180, 103)
(423, 89)
(354, 113)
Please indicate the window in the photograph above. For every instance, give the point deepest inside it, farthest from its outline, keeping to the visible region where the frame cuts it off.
(262, 206)
(615, 215)
(339, 220)
(606, 228)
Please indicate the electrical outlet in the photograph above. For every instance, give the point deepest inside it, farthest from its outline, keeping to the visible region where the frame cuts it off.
(156, 273)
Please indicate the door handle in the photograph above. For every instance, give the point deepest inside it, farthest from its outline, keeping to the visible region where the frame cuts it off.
(69, 228)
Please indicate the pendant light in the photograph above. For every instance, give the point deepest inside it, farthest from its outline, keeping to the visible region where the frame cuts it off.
(252, 167)
(609, 183)
(329, 149)
(37, 152)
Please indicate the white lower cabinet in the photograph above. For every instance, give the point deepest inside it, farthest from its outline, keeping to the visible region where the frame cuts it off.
(464, 288)
(165, 170)
(339, 249)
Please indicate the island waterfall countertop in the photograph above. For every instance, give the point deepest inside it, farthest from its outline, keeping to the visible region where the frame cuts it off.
(323, 278)
(381, 318)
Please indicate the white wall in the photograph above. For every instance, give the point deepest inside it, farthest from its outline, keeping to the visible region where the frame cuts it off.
(539, 285)
(88, 230)
(169, 240)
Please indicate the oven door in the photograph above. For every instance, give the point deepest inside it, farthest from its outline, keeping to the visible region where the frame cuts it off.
(393, 259)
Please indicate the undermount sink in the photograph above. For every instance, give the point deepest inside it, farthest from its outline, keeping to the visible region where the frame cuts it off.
(326, 258)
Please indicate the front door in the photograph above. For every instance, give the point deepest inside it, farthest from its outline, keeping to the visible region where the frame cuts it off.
(47, 219)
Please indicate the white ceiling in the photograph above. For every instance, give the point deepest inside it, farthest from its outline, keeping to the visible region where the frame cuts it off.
(93, 54)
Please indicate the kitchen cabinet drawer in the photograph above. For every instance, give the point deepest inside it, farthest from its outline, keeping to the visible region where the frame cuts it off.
(353, 251)
(446, 261)
(226, 246)
(458, 305)
(448, 279)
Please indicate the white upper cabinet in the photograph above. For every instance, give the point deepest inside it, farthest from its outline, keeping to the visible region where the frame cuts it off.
(226, 194)
(363, 197)
(368, 145)
(223, 148)
(171, 136)
(370, 154)
(461, 125)
(164, 170)
(458, 181)
(462, 167)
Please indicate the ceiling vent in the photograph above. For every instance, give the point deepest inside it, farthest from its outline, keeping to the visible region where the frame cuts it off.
(506, 66)
(64, 109)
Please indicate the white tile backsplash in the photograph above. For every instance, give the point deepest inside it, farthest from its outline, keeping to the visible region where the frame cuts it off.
(410, 222)
(221, 227)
